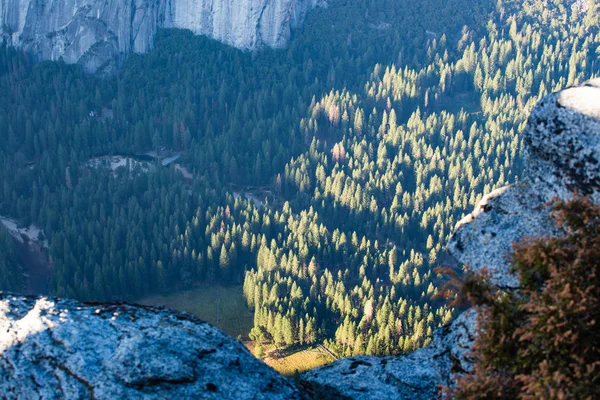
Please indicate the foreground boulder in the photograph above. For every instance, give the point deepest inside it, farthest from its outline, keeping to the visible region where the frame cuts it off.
(415, 376)
(562, 145)
(53, 348)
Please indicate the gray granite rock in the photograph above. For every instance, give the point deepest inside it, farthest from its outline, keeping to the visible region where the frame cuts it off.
(485, 237)
(415, 376)
(53, 348)
(562, 142)
(97, 32)
(562, 146)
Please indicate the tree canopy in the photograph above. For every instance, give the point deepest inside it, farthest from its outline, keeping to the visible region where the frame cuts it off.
(325, 178)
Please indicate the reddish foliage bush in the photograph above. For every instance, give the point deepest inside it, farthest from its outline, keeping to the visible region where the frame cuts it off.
(541, 341)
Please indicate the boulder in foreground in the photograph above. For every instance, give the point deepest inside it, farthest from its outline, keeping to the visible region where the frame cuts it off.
(53, 348)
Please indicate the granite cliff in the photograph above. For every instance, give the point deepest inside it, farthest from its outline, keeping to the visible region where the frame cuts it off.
(96, 33)
(53, 348)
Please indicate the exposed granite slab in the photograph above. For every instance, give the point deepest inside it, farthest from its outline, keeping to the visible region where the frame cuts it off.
(53, 348)
(415, 376)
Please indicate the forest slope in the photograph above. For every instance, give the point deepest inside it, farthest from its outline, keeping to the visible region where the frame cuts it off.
(366, 141)
(485, 238)
(53, 347)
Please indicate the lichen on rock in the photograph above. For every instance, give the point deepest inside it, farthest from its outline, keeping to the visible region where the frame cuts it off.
(53, 348)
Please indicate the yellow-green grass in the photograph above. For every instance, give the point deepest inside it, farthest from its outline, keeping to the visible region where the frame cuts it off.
(296, 362)
(236, 319)
(223, 307)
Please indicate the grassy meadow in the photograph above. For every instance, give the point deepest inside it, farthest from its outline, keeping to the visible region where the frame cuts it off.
(223, 307)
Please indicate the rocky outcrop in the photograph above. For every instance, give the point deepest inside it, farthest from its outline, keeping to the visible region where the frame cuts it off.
(415, 376)
(96, 33)
(562, 150)
(245, 24)
(562, 143)
(53, 348)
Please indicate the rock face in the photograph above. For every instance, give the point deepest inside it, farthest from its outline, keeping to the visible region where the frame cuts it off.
(562, 142)
(53, 348)
(245, 24)
(96, 33)
(415, 376)
(562, 147)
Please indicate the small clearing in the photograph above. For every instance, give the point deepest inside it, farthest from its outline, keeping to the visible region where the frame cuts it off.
(221, 306)
(256, 194)
(143, 161)
(116, 162)
(258, 202)
(290, 363)
(32, 233)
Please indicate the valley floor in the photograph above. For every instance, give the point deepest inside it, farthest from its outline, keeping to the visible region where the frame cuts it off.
(225, 308)
(293, 362)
